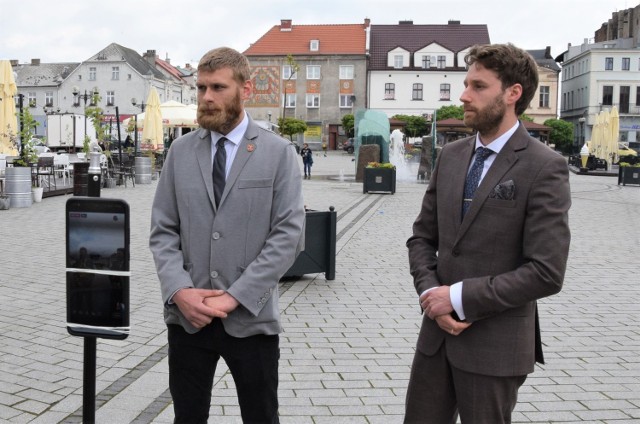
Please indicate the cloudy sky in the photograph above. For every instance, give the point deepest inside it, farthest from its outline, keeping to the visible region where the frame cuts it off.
(73, 30)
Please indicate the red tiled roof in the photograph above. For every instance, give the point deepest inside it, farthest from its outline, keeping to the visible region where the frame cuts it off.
(334, 39)
(453, 36)
(169, 68)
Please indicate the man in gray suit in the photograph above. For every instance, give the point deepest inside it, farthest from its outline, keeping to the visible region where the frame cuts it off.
(227, 223)
(480, 258)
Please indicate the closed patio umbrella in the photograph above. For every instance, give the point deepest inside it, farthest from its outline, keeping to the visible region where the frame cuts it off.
(152, 124)
(614, 133)
(8, 118)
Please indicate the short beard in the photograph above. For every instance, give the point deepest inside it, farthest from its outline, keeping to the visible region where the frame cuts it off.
(488, 120)
(221, 120)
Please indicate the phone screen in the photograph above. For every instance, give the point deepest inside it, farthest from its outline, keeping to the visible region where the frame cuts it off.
(97, 256)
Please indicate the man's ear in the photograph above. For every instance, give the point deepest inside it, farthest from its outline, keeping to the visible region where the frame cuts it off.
(513, 94)
(247, 90)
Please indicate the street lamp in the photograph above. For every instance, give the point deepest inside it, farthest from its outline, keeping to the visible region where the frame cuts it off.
(134, 102)
(85, 97)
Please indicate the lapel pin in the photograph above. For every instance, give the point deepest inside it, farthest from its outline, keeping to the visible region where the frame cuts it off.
(251, 147)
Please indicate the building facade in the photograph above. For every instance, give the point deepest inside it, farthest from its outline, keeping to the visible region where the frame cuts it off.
(117, 73)
(330, 81)
(416, 69)
(545, 102)
(599, 76)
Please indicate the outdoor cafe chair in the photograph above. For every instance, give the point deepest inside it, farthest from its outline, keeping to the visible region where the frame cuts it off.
(45, 169)
(61, 167)
(124, 170)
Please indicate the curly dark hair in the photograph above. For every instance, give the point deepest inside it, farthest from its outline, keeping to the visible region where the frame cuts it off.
(513, 66)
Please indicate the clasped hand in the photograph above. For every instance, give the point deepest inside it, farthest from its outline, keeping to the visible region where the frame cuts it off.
(436, 303)
(201, 306)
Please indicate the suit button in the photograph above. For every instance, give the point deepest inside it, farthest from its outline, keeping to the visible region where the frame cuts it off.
(214, 274)
(216, 235)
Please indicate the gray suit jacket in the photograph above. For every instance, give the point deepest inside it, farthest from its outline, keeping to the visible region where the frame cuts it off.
(510, 249)
(246, 244)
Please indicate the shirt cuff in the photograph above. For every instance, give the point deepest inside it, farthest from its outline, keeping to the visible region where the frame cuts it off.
(455, 293)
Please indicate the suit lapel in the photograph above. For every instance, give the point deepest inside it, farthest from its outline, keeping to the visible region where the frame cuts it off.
(247, 147)
(501, 165)
(203, 156)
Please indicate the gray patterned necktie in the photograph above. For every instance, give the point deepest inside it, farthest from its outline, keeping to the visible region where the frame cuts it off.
(219, 170)
(473, 178)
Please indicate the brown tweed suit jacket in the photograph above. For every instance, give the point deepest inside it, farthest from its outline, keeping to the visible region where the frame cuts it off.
(508, 251)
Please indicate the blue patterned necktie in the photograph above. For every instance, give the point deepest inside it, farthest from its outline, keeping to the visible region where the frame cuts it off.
(219, 170)
(473, 178)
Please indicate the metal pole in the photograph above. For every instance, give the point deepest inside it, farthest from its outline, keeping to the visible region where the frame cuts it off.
(434, 138)
(89, 381)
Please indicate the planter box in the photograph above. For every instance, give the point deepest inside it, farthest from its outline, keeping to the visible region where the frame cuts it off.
(319, 254)
(628, 175)
(381, 180)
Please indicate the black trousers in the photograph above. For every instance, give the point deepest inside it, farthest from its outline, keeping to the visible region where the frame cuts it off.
(253, 362)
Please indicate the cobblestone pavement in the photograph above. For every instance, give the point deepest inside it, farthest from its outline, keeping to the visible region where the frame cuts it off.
(348, 343)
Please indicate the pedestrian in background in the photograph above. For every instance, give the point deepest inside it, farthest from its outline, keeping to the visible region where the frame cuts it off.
(226, 224)
(481, 258)
(307, 159)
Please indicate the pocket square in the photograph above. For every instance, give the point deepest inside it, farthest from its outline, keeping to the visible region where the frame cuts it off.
(504, 191)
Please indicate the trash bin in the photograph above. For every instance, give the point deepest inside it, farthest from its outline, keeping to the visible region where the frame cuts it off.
(319, 254)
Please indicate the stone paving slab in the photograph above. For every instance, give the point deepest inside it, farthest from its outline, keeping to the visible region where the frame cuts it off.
(348, 343)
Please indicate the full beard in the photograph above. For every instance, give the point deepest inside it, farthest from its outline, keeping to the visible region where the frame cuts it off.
(221, 120)
(487, 120)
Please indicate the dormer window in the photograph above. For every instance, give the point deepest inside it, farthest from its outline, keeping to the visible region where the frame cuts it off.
(314, 45)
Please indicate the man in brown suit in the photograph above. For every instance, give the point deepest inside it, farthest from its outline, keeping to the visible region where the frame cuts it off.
(480, 261)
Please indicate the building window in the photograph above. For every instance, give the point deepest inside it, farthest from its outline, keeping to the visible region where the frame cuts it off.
(92, 73)
(608, 64)
(48, 99)
(31, 99)
(626, 63)
(389, 91)
(397, 61)
(625, 95)
(442, 62)
(287, 73)
(314, 45)
(445, 91)
(637, 96)
(607, 95)
(313, 72)
(115, 73)
(290, 100)
(345, 100)
(346, 72)
(544, 96)
(416, 94)
(111, 98)
(426, 62)
(313, 100)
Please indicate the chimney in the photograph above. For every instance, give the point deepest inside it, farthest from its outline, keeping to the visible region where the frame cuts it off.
(405, 22)
(150, 57)
(166, 58)
(14, 62)
(35, 62)
(285, 25)
(367, 22)
(452, 22)
(547, 53)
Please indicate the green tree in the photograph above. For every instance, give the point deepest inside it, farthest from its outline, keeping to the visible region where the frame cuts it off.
(96, 114)
(28, 125)
(348, 124)
(415, 126)
(292, 126)
(450, 112)
(561, 134)
(294, 70)
(525, 118)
